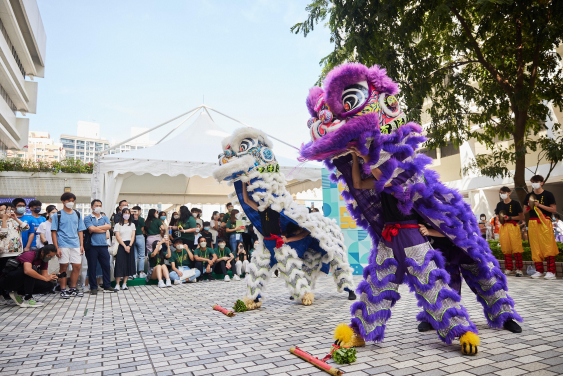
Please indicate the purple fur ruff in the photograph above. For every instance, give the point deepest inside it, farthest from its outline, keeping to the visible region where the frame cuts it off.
(351, 73)
(314, 94)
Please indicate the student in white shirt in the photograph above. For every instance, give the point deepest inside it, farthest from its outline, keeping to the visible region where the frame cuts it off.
(125, 258)
(44, 230)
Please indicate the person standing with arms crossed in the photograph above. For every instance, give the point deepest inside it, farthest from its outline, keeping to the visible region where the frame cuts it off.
(510, 238)
(66, 230)
(540, 231)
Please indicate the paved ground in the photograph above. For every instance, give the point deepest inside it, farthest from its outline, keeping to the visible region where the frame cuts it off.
(148, 330)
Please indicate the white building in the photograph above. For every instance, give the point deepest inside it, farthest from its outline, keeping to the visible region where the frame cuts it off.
(22, 55)
(40, 147)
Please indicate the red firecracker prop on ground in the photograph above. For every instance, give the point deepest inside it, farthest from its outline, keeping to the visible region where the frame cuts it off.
(315, 361)
(224, 311)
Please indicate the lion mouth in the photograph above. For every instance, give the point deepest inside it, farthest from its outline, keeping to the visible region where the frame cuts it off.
(234, 168)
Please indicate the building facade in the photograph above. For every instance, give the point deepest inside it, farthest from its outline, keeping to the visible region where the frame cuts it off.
(83, 148)
(22, 58)
(40, 147)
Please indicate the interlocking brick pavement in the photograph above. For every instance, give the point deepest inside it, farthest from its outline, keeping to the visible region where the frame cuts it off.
(174, 331)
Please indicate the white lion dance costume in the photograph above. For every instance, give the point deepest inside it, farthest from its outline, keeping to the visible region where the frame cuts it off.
(249, 164)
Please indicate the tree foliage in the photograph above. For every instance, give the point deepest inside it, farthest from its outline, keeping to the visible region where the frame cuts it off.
(483, 69)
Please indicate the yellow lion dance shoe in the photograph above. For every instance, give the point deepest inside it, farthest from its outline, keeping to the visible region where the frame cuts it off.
(469, 343)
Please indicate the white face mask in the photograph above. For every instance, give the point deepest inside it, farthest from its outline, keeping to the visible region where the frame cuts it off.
(180, 246)
(222, 245)
(203, 244)
(504, 196)
(69, 205)
(98, 210)
(126, 216)
(176, 216)
(536, 185)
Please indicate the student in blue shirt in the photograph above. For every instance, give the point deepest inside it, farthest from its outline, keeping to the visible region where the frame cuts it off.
(28, 235)
(34, 220)
(66, 230)
(97, 251)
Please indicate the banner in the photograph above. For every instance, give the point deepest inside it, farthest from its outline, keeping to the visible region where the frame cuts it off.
(356, 239)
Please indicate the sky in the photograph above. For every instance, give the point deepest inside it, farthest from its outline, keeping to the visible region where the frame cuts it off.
(136, 63)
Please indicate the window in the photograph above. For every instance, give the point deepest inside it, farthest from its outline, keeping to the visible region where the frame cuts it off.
(429, 153)
(449, 150)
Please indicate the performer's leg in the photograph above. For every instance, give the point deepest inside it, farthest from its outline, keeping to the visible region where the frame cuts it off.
(378, 293)
(343, 274)
(505, 241)
(536, 246)
(290, 267)
(508, 264)
(429, 279)
(257, 275)
(311, 267)
(519, 262)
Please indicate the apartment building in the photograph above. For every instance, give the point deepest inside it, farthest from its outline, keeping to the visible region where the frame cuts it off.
(22, 58)
(40, 147)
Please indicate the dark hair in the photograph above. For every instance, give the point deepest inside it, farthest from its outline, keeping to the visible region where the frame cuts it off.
(556, 215)
(315, 210)
(206, 224)
(536, 179)
(8, 205)
(177, 240)
(219, 240)
(137, 208)
(49, 209)
(122, 220)
(16, 201)
(94, 201)
(161, 213)
(200, 239)
(185, 214)
(505, 189)
(34, 203)
(239, 243)
(122, 201)
(49, 248)
(213, 215)
(68, 196)
(234, 212)
(483, 215)
(4, 204)
(150, 218)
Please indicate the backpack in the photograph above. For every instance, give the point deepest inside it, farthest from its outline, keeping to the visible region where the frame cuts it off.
(86, 236)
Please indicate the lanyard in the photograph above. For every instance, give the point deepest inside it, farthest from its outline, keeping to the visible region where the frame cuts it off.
(181, 258)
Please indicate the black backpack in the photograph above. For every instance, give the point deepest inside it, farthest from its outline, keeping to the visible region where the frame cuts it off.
(86, 235)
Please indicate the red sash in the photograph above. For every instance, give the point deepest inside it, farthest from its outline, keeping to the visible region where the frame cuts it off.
(393, 230)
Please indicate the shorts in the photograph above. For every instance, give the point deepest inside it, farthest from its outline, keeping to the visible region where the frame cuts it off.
(71, 255)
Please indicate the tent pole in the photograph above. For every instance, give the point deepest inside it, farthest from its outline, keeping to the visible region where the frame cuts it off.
(145, 132)
(208, 114)
(182, 122)
(277, 139)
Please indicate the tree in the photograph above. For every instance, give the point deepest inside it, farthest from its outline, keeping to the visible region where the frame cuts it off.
(489, 68)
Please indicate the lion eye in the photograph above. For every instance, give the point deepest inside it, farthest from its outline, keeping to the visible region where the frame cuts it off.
(247, 144)
(355, 96)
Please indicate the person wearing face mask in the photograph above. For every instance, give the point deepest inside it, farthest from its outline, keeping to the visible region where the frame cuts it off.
(34, 220)
(179, 261)
(232, 229)
(540, 232)
(205, 258)
(197, 215)
(483, 225)
(139, 240)
(98, 224)
(125, 257)
(29, 235)
(187, 226)
(214, 225)
(224, 259)
(206, 233)
(122, 205)
(242, 260)
(30, 277)
(67, 233)
(154, 228)
(510, 239)
(44, 229)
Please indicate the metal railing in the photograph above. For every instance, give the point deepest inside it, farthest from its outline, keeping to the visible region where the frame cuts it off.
(12, 48)
(8, 99)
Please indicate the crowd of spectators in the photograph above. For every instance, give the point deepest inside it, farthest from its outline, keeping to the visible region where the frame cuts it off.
(184, 248)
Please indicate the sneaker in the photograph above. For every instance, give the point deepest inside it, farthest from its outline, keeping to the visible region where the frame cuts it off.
(161, 284)
(512, 326)
(117, 287)
(227, 279)
(537, 275)
(142, 275)
(507, 272)
(192, 280)
(124, 287)
(86, 288)
(549, 275)
(519, 273)
(94, 292)
(236, 278)
(177, 282)
(31, 303)
(134, 276)
(16, 298)
(168, 283)
(210, 278)
(351, 295)
(424, 327)
(65, 294)
(111, 289)
(76, 293)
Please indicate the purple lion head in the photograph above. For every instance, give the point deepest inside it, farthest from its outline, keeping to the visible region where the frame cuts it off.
(357, 103)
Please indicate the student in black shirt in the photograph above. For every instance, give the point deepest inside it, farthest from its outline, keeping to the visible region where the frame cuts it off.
(509, 212)
(540, 230)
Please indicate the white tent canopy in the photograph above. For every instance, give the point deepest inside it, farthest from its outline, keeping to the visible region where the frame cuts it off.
(179, 170)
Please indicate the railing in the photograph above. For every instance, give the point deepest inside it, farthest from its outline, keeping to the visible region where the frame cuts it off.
(8, 99)
(12, 48)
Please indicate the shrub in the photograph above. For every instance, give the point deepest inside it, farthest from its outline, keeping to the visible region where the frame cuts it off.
(74, 166)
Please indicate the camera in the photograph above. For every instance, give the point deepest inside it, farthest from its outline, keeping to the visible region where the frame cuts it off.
(62, 275)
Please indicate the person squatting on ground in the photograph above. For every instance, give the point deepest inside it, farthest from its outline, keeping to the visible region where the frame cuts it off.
(67, 233)
(205, 258)
(509, 213)
(224, 258)
(161, 251)
(180, 261)
(97, 252)
(242, 260)
(541, 205)
(27, 275)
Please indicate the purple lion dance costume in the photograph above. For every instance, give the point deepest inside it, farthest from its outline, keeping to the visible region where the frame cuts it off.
(358, 110)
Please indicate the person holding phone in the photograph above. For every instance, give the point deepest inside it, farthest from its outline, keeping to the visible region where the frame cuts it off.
(224, 258)
(242, 260)
(205, 258)
(159, 254)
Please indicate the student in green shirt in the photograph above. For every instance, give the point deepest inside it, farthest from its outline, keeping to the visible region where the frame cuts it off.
(139, 247)
(187, 226)
(224, 259)
(158, 269)
(204, 259)
(179, 262)
(233, 235)
(154, 228)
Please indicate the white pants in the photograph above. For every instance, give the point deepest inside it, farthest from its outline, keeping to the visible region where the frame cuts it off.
(242, 267)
